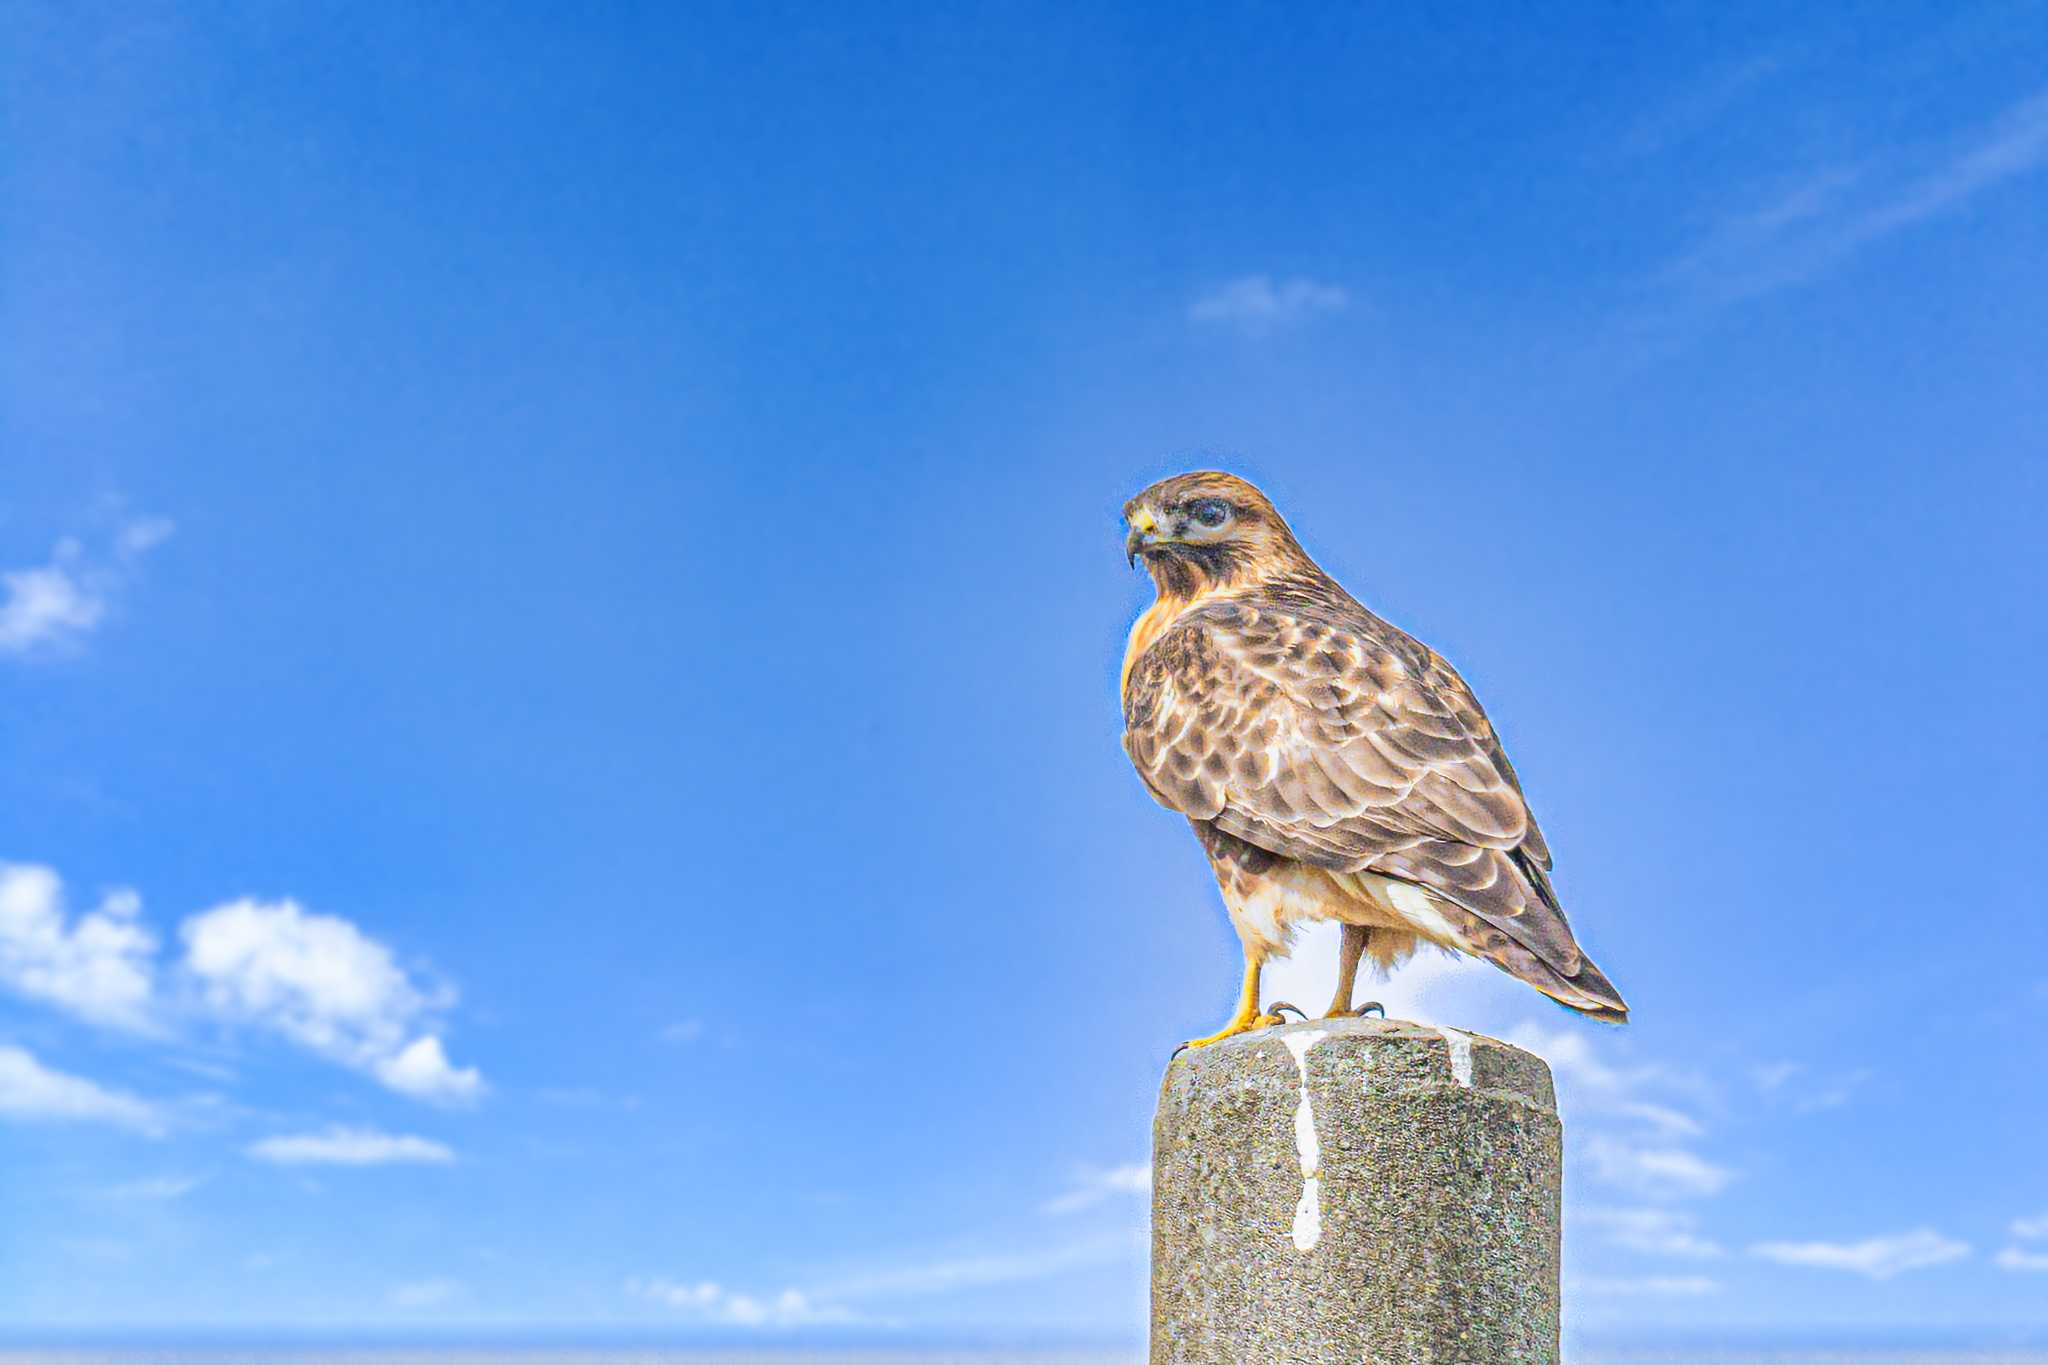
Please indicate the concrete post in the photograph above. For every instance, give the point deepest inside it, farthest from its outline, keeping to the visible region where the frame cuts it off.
(1355, 1192)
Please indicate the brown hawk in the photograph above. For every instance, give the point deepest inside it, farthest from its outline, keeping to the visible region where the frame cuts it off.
(1333, 766)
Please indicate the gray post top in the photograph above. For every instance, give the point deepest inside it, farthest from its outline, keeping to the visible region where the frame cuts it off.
(1350, 1190)
(1401, 1057)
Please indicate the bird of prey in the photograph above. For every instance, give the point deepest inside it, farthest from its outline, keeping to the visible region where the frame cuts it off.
(1333, 766)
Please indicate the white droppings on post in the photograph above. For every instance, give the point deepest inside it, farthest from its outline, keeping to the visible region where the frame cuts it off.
(1460, 1045)
(1308, 1210)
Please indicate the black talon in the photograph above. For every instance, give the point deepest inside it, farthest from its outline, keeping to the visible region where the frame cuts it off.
(1176, 1052)
(1279, 1005)
(1368, 1007)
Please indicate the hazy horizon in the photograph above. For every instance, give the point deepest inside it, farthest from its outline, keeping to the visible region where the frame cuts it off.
(963, 1356)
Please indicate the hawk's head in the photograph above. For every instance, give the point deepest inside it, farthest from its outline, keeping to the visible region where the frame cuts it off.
(1208, 529)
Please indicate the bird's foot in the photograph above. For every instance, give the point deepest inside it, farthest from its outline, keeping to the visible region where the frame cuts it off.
(1360, 1012)
(1243, 1023)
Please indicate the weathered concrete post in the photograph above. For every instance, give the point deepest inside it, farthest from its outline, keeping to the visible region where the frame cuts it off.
(1355, 1192)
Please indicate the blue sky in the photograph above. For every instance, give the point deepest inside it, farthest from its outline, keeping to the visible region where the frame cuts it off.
(560, 596)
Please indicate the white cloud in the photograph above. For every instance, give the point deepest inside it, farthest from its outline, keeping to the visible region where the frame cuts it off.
(67, 598)
(46, 604)
(425, 1293)
(1654, 1172)
(31, 1091)
(326, 985)
(349, 1147)
(708, 1301)
(100, 966)
(1096, 1186)
(1880, 1258)
(316, 979)
(683, 1031)
(1655, 1232)
(1653, 1286)
(421, 1069)
(1256, 304)
(1576, 1065)
(1588, 1077)
(1613, 1095)
(2030, 1229)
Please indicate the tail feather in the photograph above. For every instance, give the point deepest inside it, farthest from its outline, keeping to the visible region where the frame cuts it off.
(1587, 990)
(1482, 903)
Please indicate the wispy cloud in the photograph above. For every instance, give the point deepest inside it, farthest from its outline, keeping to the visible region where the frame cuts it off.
(1640, 1141)
(947, 1274)
(1257, 304)
(709, 1301)
(2025, 1258)
(1831, 1094)
(1815, 221)
(1811, 1094)
(1596, 1081)
(2014, 144)
(1698, 106)
(1661, 1118)
(1771, 1076)
(65, 599)
(1655, 1172)
(350, 1147)
(1599, 1076)
(859, 1297)
(1652, 1231)
(153, 1189)
(1880, 1258)
(32, 1092)
(1094, 1186)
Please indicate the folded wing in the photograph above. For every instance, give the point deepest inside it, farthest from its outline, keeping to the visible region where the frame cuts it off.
(1323, 734)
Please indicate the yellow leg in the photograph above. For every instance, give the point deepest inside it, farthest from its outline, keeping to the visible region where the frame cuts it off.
(1247, 1017)
(1347, 970)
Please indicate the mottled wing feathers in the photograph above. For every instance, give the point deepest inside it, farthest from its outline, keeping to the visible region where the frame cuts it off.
(1307, 726)
(1318, 732)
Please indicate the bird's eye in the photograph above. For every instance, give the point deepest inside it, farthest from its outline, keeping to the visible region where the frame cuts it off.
(1211, 512)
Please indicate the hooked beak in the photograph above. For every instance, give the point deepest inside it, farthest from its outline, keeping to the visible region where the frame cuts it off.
(1144, 531)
